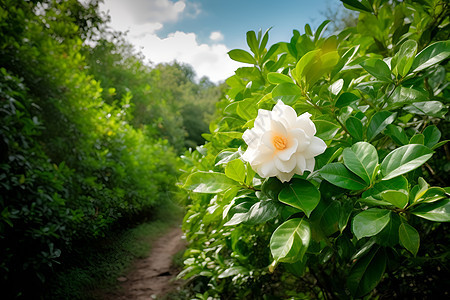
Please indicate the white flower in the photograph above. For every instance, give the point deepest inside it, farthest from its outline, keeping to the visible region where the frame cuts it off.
(282, 144)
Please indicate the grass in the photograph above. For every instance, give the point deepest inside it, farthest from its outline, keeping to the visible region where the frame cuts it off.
(93, 269)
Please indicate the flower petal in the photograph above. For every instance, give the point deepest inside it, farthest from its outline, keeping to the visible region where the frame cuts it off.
(316, 147)
(301, 164)
(262, 121)
(301, 137)
(286, 154)
(304, 122)
(285, 114)
(267, 169)
(285, 165)
(250, 136)
(310, 162)
(285, 176)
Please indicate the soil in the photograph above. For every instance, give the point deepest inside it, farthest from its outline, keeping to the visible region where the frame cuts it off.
(154, 276)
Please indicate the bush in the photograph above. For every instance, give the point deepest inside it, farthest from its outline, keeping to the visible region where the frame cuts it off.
(369, 217)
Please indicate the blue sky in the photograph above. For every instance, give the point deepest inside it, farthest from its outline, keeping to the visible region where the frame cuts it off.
(201, 32)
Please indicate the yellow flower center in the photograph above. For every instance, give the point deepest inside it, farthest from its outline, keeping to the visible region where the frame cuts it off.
(279, 142)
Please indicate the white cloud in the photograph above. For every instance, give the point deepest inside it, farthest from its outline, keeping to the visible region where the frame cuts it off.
(216, 36)
(143, 18)
(207, 60)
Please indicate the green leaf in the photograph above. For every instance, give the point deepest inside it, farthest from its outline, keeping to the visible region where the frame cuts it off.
(320, 30)
(252, 42)
(431, 55)
(417, 139)
(235, 270)
(356, 5)
(378, 123)
(208, 182)
(325, 218)
(404, 58)
(370, 222)
(409, 238)
(300, 194)
(336, 87)
(361, 159)
(397, 134)
(286, 89)
(402, 96)
(338, 174)
(290, 241)
(397, 183)
(241, 56)
(432, 135)
(326, 130)
(378, 68)
(246, 109)
(235, 170)
(355, 127)
(276, 78)
(262, 212)
(367, 272)
(397, 198)
(437, 211)
(404, 159)
(345, 59)
(346, 99)
(427, 108)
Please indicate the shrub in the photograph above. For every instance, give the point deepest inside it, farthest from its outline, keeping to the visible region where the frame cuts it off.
(374, 207)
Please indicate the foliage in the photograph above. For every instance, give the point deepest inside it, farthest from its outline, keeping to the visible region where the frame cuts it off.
(72, 164)
(374, 209)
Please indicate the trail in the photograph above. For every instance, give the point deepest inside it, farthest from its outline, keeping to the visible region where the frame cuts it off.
(155, 275)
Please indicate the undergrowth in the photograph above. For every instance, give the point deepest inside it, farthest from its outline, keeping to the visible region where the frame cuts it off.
(93, 268)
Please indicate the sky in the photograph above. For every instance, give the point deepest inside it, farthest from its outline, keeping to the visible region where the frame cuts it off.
(201, 32)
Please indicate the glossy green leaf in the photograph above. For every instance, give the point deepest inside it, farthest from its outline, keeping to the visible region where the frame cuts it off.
(397, 198)
(262, 212)
(326, 130)
(345, 59)
(432, 135)
(361, 159)
(300, 194)
(397, 134)
(276, 78)
(398, 183)
(427, 108)
(431, 55)
(336, 87)
(417, 139)
(355, 128)
(252, 42)
(370, 222)
(325, 218)
(346, 99)
(286, 89)
(378, 123)
(208, 182)
(378, 68)
(356, 5)
(241, 56)
(338, 174)
(438, 211)
(320, 30)
(290, 241)
(405, 57)
(367, 272)
(246, 109)
(403, 96)
(409, 238)
(404, 159)
(235, 170)
(233, 271)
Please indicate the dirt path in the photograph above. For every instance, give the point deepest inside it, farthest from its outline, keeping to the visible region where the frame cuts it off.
(155, 275)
